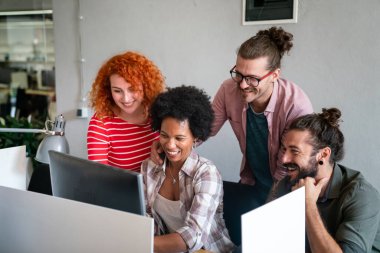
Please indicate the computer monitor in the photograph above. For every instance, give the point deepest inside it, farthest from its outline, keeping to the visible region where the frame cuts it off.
(47, 79)
(5, 76)
(263, 230)
(19, 79)
(95, 183)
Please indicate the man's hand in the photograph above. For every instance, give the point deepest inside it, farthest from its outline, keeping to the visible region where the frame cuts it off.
(155, 152)
(312, 188)
(319, 238)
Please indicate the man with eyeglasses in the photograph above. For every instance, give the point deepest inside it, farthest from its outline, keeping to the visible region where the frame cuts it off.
(260, 106)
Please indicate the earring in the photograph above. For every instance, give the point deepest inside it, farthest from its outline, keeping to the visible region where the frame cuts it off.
(320, 162)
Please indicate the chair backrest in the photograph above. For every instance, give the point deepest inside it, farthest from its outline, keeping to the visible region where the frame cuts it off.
(238, 199)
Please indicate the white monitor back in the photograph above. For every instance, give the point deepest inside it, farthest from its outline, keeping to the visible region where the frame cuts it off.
(33, 222)
(15, 168)
(278, 226)
(19, 80)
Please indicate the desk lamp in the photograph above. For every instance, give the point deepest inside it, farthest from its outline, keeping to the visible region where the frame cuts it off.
(54, 139)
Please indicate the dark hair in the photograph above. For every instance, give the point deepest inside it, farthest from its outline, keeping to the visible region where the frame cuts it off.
(272, 43)
(324, 129)
(184, 103)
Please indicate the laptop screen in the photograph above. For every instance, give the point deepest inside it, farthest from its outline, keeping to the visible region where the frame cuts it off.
(94, 183)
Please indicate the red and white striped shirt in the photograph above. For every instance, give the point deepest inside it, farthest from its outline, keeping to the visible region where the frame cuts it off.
(114, 141)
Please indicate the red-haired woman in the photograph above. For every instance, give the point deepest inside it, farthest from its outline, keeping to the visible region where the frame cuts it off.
(120, 132)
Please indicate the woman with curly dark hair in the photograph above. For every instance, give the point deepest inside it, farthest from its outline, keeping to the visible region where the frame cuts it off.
(120, 133)
(185, 194)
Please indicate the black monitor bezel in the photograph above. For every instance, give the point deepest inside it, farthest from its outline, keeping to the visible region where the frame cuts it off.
(95, 183)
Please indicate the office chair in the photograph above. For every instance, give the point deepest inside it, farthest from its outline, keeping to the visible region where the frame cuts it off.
(238, 199)
(40, 181)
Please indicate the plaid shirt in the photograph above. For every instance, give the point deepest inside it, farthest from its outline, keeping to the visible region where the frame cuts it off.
(201, 202)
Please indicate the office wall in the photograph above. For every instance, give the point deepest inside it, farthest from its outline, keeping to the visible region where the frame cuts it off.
(335, 59)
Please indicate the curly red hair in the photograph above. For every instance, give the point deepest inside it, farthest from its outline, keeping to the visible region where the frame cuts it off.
(137, 70)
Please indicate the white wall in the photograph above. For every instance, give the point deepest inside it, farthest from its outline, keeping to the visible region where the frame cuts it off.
(335, 59)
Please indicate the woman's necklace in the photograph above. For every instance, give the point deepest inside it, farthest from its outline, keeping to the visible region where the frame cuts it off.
(173, 179)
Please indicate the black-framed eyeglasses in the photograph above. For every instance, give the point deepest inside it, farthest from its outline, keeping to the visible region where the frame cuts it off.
(250, 80)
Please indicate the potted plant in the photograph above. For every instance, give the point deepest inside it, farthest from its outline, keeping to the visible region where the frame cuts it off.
(30, 140)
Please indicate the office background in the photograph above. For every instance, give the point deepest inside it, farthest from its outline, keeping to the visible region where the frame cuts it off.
(335, 59)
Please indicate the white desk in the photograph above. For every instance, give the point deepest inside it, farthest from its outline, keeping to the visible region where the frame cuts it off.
(32, 222)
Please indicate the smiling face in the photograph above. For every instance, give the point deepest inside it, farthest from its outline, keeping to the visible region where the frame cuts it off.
(259, 96)
(298, 155)
(129, 101)
(176, 140)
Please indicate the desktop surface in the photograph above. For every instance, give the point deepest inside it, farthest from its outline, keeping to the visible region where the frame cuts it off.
(38, 223)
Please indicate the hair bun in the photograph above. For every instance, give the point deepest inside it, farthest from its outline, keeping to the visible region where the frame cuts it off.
(278, 36)
(332, 116)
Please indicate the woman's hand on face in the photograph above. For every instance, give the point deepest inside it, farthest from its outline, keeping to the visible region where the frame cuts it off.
(155, 152)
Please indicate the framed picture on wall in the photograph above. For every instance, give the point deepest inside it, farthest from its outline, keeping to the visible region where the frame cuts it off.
(258, 12)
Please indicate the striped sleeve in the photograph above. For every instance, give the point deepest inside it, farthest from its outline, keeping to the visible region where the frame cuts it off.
(97, 141)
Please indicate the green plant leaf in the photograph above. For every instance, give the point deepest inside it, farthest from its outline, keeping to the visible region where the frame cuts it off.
(30, 140)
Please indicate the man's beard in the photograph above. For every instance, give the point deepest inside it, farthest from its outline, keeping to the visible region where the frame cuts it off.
(310, 170)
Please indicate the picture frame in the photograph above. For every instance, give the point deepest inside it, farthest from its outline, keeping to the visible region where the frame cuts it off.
(259, 12)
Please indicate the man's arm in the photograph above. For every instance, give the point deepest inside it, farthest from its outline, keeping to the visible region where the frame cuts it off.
(319, 238)
(361, 216)
(356, 231)
(219, 108)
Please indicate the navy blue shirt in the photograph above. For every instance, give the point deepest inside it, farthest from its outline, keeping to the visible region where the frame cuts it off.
(257, 153)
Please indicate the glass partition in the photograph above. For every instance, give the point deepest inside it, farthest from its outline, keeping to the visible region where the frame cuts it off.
(27, 73)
